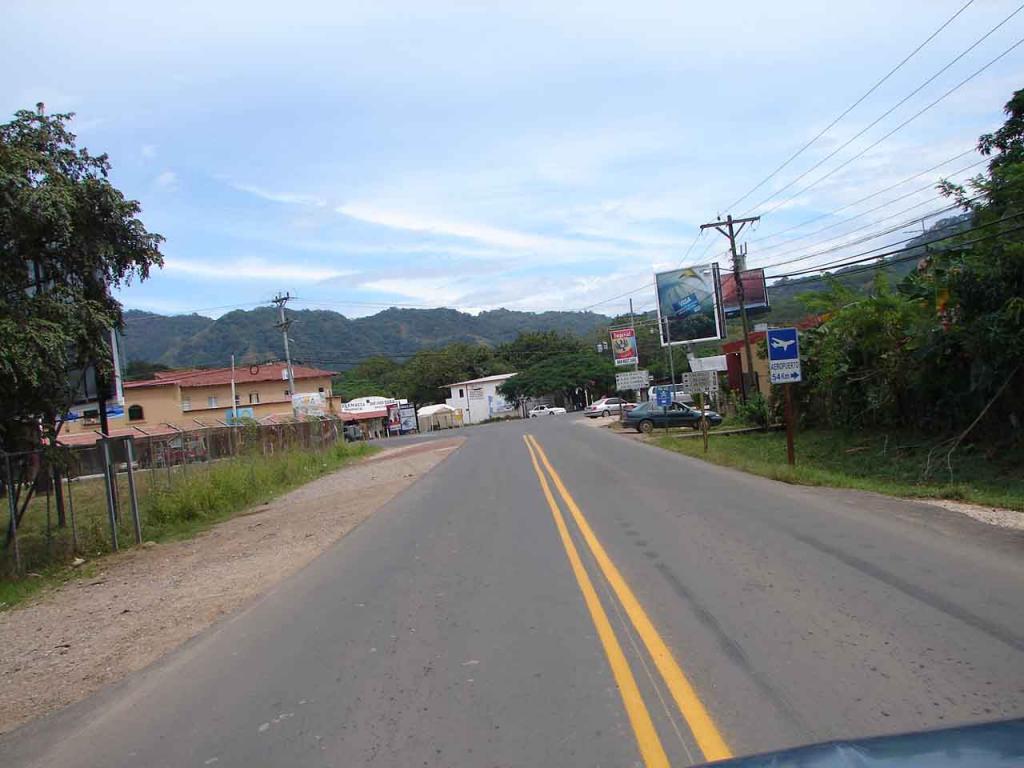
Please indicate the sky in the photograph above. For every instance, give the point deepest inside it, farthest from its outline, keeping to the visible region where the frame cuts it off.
(529, 155)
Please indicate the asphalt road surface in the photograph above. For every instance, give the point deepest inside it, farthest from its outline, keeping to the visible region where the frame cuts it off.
(579, 599)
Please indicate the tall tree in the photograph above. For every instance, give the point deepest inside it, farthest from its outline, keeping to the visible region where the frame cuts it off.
(67, 235)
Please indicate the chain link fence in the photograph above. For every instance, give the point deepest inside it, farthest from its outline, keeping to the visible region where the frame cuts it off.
(67, 502)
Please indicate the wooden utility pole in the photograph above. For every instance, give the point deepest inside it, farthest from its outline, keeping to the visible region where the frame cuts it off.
(731, 227)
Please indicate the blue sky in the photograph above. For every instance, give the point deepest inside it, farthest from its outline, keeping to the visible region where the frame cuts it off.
(475, 155)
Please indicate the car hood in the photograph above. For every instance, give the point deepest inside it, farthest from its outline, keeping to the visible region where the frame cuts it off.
(990, 745)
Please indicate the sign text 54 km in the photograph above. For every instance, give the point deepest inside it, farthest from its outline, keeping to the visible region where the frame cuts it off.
(783, 355)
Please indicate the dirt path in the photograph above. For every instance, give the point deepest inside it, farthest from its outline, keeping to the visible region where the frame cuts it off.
(145, 602)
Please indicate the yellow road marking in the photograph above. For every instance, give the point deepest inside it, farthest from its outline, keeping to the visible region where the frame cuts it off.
(704, 730)
(651, 751)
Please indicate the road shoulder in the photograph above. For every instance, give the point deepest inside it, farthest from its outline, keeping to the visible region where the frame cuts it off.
(144, 603)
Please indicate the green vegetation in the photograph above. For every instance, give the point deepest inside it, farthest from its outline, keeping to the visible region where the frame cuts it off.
(329, 339)
(892, 464)
(68, 237)
(171, 506)
(943, 351)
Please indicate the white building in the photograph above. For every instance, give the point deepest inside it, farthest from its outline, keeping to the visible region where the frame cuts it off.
(478, 399)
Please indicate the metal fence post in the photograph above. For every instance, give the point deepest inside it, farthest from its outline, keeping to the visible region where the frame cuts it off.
(109, 482)
(71, 514)
(129, 449)
(13, 506)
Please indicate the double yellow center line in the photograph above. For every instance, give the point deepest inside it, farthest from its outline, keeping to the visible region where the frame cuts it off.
(703, 728)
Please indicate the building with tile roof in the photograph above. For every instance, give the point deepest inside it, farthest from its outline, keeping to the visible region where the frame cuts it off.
(189, 398)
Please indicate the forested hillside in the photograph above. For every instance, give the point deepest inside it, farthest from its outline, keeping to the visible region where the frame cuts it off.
(328, 338)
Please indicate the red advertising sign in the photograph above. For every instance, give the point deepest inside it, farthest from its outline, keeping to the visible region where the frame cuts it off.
(624, 346)
(755, 293)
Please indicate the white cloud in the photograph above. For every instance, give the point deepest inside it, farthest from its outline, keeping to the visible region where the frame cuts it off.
(167, 180)
(288, 198)
(527, 247)
(255, 269)
(148, 150)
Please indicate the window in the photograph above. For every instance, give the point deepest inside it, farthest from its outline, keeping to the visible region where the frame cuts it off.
(135, 413)
(462, 393)
(186, 403)
(91, 417)
(254, 398)
(238, 399)
(320, 389)
(211, 401)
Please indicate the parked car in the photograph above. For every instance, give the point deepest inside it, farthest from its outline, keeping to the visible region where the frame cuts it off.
(606, 406)
(646, 416)
(546, 410)
(352, 433)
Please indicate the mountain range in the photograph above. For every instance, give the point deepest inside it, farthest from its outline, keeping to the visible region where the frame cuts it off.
(328, 339)
(331, 340)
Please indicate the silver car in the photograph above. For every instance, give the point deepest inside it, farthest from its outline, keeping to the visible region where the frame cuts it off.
(606, 406)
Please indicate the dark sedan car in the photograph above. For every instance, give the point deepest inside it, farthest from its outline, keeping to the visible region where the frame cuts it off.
(646, 416)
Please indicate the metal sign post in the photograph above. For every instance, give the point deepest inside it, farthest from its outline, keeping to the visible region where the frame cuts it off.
(109, 480)
(784, 367)
(664, 399)
(129, 450)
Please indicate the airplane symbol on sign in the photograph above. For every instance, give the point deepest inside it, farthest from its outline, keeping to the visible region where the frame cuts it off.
(783, 345)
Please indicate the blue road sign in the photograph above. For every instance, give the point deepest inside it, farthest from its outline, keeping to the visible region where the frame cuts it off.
(664, 397)
(783, 344)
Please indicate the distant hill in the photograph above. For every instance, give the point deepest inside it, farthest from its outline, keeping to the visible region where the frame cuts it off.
(328, 338)
(784, 293)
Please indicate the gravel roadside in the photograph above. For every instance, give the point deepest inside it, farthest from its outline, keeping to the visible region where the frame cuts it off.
(143, 603)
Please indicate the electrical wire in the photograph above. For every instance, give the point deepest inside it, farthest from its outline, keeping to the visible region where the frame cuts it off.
(865, 238)
(898, 259)
(886, 204)
(849, 109)
(856, 258)
(899, 127)
(882, 191)
(893, 108)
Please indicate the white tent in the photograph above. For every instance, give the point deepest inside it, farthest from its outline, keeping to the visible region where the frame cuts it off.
(438, 416)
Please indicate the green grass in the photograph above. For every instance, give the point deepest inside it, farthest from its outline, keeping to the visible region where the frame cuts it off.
(172, 505)
(893, 464)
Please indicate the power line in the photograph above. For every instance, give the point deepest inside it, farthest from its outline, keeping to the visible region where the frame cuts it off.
(847, 220)
(882, 191)
(855, 258)
(849, 109)
(899, 259)
(891, 109)
(865, 238)
(860, 241)
(899, 127)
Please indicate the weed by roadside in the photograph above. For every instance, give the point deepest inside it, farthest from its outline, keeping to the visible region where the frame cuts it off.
(171, 506)
(893, 464)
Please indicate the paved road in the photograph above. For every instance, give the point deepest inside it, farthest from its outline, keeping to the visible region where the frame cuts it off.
(583, 600)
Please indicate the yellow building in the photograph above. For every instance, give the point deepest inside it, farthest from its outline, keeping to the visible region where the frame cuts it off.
(190, 398)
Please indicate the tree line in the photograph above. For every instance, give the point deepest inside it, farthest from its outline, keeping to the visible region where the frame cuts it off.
(562, 365)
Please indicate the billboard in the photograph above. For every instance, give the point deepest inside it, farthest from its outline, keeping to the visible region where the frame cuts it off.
(407, 417)
(624, 346)
(309, 404)
(755, 293)
(689, 305)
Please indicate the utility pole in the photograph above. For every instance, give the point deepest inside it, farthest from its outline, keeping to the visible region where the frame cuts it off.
(632, 324)
(280, 301)
(731, 228)
(234, 396)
